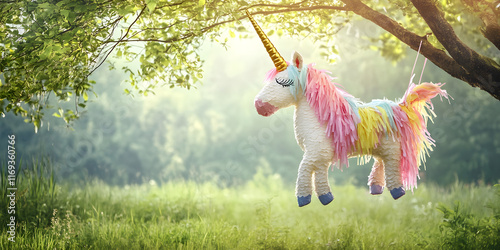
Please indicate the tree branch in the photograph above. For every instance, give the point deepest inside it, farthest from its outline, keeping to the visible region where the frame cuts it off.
(310, 8)
(208, 28)
(118, 42)
(489, 14)
(477, 65)
(438, 57)
(270, 12)
(488, 82)
(492, 28)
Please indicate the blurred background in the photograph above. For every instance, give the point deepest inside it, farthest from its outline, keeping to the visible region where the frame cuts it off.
(213, 134)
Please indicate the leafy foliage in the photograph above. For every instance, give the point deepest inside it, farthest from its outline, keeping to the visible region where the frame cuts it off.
(49, 48)
(52, 47)
(463, 230)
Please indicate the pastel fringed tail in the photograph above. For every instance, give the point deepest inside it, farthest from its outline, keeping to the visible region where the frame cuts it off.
(411, 119)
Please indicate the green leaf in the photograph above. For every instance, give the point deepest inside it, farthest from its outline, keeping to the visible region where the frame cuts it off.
(129, 9)
(334, 50)
(65, 13)
(201, 3)
(85, 96)
(151, 6)
(231, 33)
(44, 5)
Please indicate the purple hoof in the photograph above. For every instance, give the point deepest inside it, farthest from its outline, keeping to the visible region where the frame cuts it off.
(326, 198)
(304, 200)
(376, 189)
(397, 192)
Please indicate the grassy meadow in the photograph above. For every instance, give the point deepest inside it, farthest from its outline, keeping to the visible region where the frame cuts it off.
(261, 214)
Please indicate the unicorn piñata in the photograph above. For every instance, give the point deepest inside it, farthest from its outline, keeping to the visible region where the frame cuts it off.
(332, 126)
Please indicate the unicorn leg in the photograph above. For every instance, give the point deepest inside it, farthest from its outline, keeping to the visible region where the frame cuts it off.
(314, 163)
(376, 180)
(389, 154)
(392, 159)
(303, 187)
(321, 185)
(393, 178)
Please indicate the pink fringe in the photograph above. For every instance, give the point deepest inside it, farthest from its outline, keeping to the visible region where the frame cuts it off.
(271, 74)
(412, 126)
(333, 110)
(409, 148)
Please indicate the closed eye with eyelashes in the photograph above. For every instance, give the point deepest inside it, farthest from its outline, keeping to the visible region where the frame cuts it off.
(284, 82)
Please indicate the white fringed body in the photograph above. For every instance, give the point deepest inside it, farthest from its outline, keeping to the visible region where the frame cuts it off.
(318, 154)
(311, 137)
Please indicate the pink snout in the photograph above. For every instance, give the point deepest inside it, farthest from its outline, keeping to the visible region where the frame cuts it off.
(264, 108)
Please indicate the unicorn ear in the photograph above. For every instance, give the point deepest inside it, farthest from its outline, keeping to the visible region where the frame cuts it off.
(297, 60)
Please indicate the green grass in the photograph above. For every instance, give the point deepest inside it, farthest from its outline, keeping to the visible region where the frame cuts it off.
(262, 214)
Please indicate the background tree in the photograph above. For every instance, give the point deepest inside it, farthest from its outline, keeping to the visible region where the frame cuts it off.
(52, 47)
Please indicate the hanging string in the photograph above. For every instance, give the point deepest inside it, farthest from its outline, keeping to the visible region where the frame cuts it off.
(425, 61)
(421, 74)
(414, 64)
(412, 73)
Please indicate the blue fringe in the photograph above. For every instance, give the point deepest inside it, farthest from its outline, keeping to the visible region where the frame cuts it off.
(299, 79)
(387, 106)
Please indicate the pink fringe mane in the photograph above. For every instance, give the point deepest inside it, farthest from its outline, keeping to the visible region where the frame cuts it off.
(332, 109)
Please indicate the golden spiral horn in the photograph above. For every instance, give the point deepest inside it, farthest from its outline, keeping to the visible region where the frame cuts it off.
(278, 60)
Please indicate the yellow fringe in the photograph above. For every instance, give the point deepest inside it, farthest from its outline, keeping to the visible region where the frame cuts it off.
(373, 123)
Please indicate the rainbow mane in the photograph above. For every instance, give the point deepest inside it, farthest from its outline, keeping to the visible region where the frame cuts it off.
(355, 128)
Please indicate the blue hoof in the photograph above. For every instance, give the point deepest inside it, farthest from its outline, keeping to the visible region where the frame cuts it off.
(376, 189)
(397, 192)
(326, 198)
(304, 200)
